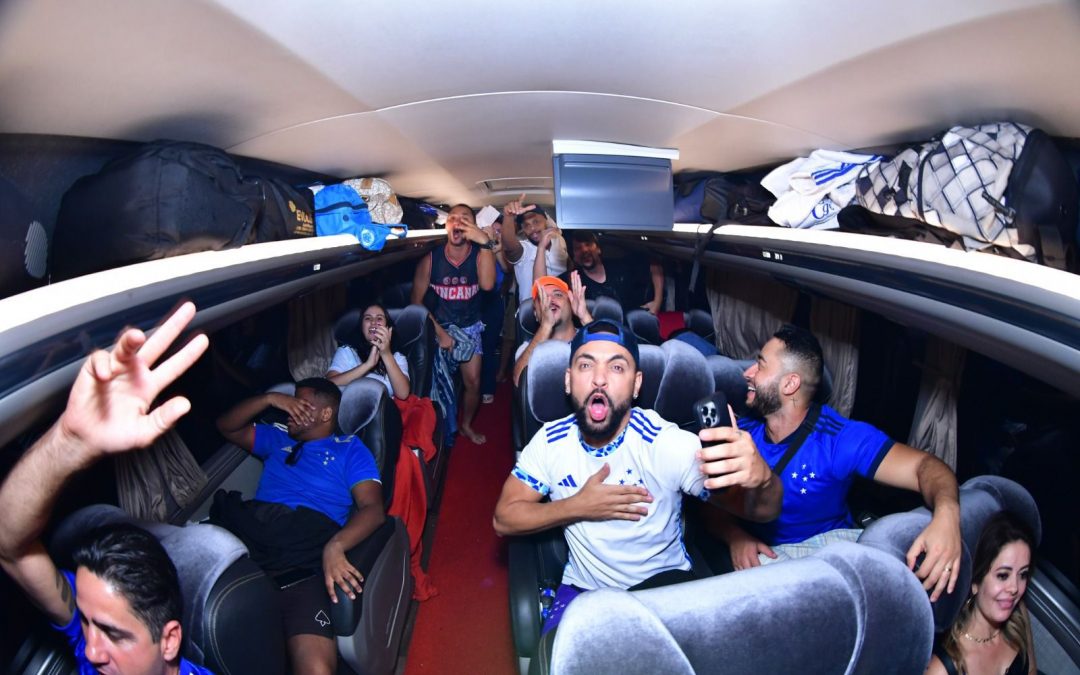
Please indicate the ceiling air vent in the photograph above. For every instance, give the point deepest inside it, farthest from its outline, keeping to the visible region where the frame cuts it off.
(527, 184)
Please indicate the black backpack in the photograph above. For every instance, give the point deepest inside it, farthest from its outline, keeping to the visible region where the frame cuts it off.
(285, 212)
(167, 198)
(711, 197)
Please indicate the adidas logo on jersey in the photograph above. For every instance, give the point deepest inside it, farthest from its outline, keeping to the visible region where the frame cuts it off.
(568, 481)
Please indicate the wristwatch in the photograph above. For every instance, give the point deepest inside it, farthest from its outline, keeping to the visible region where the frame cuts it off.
(490, 245)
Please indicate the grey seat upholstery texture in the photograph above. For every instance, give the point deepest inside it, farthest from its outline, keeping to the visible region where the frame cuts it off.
(369, 629)
(845, 609)
(231, 618)
(686, 379)
(980, 498)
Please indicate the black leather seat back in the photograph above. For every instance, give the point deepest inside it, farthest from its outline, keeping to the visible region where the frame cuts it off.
(414, 336)
(526, 322)
(368, 411)
(397, 296)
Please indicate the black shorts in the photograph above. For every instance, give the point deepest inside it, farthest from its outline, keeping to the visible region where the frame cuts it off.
(305, 608)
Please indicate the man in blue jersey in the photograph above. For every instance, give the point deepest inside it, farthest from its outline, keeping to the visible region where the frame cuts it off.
(302, 516)
(782, 384)
(120, 609)
(616, 474)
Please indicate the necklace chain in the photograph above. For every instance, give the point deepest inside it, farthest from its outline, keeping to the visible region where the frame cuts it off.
(981, 641)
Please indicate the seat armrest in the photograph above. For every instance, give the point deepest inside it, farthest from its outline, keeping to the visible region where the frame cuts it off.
(345, 614)
(525, 620)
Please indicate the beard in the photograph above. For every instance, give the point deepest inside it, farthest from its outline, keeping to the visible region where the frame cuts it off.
(766, 399)
(604, 430)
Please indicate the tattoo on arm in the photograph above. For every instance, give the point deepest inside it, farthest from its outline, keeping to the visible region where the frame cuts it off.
(64, 587)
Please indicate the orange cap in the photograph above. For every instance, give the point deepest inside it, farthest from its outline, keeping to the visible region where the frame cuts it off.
(549, 281)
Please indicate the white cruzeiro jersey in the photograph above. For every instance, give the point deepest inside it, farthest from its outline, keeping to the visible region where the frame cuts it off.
(650, 452)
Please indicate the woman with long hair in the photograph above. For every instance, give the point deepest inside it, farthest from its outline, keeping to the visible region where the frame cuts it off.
(368, 353)
(992, 634)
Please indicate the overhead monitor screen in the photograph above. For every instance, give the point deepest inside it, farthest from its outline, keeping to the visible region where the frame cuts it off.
(613, 192)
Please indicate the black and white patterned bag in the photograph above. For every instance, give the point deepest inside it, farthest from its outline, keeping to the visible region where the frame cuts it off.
(978, 182)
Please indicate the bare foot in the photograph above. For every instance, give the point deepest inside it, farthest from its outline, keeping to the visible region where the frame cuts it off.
(502, 376)
(467, 432)
(487, 398)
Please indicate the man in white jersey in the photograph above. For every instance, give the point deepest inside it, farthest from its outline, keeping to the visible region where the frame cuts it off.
(615, 474)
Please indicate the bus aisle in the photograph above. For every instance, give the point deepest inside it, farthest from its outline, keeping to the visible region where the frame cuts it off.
(466, 627)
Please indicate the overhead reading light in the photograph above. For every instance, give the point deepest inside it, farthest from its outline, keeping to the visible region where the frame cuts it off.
(611, 186)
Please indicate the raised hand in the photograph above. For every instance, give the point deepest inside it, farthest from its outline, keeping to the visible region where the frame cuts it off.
(734, 460)
(547, 317)
(515, 208)
(109, 408)
(578, 306)
(599, 501)
(383, 334)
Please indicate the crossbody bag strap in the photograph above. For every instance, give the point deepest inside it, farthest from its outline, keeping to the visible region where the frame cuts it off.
(808, 424)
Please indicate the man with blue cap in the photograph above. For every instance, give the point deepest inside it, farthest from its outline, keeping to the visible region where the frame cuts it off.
(615, 475)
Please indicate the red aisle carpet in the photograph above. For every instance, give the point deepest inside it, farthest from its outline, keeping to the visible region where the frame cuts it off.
(466, 628)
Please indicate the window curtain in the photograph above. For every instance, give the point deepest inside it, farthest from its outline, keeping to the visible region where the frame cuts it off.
(155, 482)
(933, 428)
(311, 343)
(836, 326)
(747, 309)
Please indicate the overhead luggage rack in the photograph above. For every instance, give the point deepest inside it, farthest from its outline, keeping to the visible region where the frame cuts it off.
(1022, 314)
(46, 333)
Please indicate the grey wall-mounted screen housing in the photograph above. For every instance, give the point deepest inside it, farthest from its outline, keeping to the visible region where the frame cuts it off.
(613, 192)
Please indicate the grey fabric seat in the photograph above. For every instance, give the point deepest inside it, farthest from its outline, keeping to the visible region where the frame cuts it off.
(231, 618)
(847, 608)
(980, 498)
(686, 379)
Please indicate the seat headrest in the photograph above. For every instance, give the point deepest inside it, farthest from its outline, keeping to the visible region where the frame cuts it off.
(546, 381)
(645, 326)
(360, 402)
(686, 379)
(201, 553)
(846, 608)
(408, 325)
(526, 320)
(727, 374)
(651, 362)
(580, 649)
(700, 322)
(345, 326)
(604, 307)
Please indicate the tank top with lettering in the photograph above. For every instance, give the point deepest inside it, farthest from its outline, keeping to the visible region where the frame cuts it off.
(457, 288)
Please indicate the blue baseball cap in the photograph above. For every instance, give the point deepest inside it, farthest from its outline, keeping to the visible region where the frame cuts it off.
(606, 330)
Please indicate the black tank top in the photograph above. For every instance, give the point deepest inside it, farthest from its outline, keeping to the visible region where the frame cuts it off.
(457, 288)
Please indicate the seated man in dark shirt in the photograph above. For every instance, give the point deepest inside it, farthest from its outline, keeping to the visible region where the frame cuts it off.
(301, 513)
(121, 608)
(616, 279)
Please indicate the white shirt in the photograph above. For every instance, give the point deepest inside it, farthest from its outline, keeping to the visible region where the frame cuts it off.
(653, 453)
(555, 258)
(346, 358)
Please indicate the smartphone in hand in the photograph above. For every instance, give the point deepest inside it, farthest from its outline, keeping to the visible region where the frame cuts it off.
(712, 411)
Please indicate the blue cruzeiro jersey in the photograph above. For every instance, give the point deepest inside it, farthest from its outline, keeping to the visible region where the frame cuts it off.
(817, 478)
